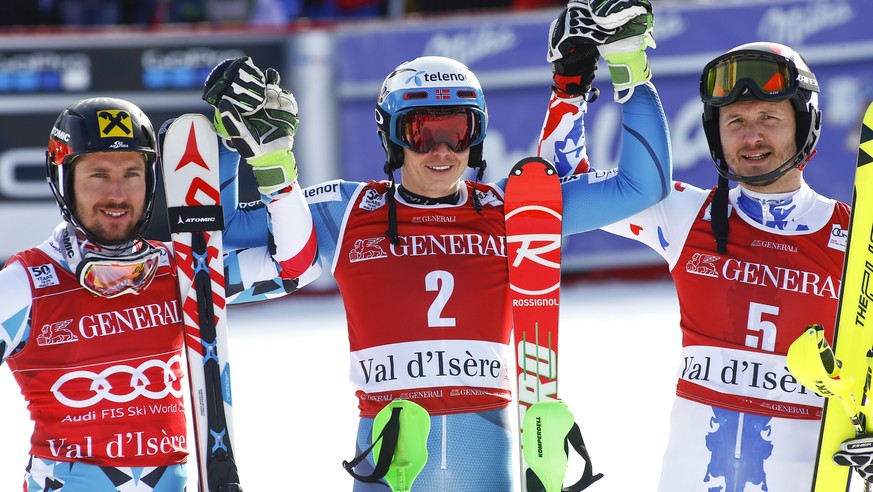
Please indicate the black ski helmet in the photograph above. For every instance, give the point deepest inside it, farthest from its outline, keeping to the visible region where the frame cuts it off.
(100, 124)
(791, 78)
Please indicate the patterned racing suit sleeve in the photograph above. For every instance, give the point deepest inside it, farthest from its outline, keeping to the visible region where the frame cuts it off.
(251, 269)
(14, 310)
(595, 198)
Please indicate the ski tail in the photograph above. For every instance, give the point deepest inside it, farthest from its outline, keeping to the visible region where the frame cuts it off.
(552, 431)
(853, 333)
(399, 446)
(189, 151)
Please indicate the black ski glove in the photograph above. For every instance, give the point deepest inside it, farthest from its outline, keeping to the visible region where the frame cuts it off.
(238, 81)
(857, 453)
(573, 50)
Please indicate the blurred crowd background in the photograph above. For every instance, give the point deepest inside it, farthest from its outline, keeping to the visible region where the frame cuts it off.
(334, 54)
(151, 13)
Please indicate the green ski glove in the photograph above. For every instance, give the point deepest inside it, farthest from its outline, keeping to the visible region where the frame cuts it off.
(625, 51)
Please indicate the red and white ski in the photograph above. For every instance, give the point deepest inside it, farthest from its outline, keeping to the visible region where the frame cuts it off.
(191, 181)
(533, 210)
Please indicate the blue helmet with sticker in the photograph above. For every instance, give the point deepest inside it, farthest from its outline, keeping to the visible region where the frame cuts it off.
(431, 90)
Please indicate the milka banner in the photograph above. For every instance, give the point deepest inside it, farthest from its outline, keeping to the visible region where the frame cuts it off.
(508, 55)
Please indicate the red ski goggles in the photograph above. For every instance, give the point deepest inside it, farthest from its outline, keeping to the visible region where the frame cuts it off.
(110, 276)
(768, 78)
(422, 129)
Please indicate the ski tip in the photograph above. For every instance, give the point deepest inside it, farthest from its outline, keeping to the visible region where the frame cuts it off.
(519, 166)
(865, 146)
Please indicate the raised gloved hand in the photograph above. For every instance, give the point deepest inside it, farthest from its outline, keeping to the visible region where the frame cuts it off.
(857, 453)
(612, 14)
(625, 51)
(264, 137)
(238, 81)
(573, 41)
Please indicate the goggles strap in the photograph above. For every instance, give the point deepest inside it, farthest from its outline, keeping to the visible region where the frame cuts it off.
(719, 215)
(392, 233)
(69, 242)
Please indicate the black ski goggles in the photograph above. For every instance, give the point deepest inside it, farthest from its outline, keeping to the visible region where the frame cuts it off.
(422, 129)
(766, 77)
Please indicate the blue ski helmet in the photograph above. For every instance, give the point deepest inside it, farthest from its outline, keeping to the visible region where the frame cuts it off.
(432, 82)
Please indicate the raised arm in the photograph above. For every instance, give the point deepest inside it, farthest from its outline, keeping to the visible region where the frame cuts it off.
(260, 120)
(593, 199)
(642, 178)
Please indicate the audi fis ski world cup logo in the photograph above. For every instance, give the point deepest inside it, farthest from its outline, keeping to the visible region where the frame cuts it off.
(153, 379)
(534, 253)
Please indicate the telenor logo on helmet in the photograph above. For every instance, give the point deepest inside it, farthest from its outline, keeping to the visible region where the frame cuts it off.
(421, 76)
(114, 123)
(443, 77)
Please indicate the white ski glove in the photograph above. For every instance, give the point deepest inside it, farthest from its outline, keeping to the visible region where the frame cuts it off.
(857, 453)
(573, 41)
(625, 51)
(265, 136)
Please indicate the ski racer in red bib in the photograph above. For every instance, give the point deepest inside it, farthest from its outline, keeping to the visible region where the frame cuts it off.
(772, 250)
(421, 264)
(91, 324)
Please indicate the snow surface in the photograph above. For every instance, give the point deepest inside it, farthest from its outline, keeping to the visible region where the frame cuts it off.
(295, 411)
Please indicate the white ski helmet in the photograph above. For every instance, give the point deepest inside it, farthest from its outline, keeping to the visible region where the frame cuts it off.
(767, 72)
